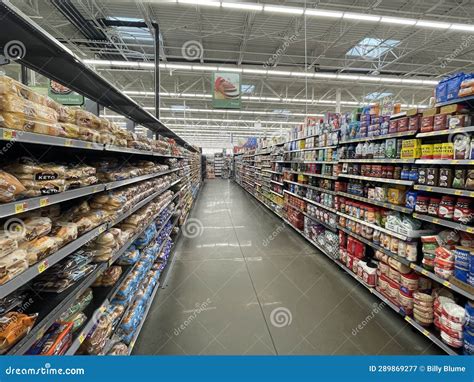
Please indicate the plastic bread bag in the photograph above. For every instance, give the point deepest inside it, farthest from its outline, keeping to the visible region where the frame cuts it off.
(97, 337)
(89, 135)
(118, 348)
(79, 172)
(14, 263)
(71, 130)
(83, 223)
(72, 262)
(8, 243)
(10, 187)
(87, 119)
(132, 319)
(36, 227)
(40, 248)
(109, 277)
(14, 301)
(51, 342)
(52, 286)
(65, 231)
(126, 289)
(10, 103)
(13, 327)
(79, 272)
(131, 256)
(115, 313)
(79, 305)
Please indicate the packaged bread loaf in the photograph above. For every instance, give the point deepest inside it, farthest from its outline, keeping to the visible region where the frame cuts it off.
(13, 104)
(87, 119)
(65, 231)
(36, 227)
(13, 264)
(71, 130)
(10, 187)
(40, 248)
(13, 327)
(7, 244)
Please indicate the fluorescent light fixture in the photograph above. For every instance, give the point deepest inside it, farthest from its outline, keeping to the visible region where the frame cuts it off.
(324, 75)
(348, 77)
(226, 69)
(279, 73)
(321, 13)
(432, 24)
(371, 78)
(204, 67)
(201, 2)
(361, 17)
(247, 6)
(302, 74)
(256, 71)
(289, 10)
(177, 66)
(390, 79)
(462, 27)
(397, 20)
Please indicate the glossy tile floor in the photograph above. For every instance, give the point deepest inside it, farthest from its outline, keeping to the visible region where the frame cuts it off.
(244, 283)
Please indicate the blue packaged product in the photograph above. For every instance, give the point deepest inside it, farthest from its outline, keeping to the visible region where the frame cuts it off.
(410, 199)
(441, 91)
(453, 86)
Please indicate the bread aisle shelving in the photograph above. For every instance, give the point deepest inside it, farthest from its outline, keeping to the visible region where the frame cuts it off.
(387, 198)
(88, 229)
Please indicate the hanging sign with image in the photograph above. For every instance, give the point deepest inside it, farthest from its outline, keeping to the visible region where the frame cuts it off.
(64, 95)
(226, 90)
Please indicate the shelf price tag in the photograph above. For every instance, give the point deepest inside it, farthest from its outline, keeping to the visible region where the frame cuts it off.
(42, 266)
(470, 229)
(435, 220)
(408, 319)
(43, 202)
(429, 189)
(424, 272)
(81, 338)
(68, 142)
(8, 135)
(447, 284)
(426, 333)
(20, 207)
(458, 192)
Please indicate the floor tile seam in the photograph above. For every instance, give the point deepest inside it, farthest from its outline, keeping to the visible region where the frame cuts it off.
(254, 288)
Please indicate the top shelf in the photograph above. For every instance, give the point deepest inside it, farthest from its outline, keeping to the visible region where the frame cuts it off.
(47, 56)
(469, 99)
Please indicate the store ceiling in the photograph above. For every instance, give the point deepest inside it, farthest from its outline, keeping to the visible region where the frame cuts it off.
(254, 39)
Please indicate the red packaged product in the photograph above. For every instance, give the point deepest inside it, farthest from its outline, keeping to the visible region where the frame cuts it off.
(403, 124)
(440, 122)
(427, 124)
(414, 123)
(393, 126)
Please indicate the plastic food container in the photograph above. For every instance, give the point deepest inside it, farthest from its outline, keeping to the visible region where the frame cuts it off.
(453, 342)
(409, 281)
(454, 312)
(423, 297)
(455, 326)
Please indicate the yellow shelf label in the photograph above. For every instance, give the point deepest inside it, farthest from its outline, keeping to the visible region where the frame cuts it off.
(425, 272)
(408, 319)
(19, 208)
(8, 135)
(81, 338)
(435, 220)
(89, 145)
(429, 188)
(458, 192)
(447, 284)
(470, 229)
(43, 202)
(426, 333)
(68, 142)
(42, 266)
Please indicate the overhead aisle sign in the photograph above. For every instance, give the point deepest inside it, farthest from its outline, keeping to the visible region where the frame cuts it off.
(226, 92)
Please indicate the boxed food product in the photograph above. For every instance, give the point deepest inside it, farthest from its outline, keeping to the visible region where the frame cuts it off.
(427, 124)
(440, 122)
(447, 150)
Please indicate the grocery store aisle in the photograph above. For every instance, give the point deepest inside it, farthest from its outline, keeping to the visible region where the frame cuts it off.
(244, 283)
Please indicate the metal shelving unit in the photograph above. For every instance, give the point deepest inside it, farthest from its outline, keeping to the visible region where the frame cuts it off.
(380, 180)
(442, 190)
(314, 175)
(446, 223)
(377, 160)
(377, 202)
(467, 129)
(379, 137)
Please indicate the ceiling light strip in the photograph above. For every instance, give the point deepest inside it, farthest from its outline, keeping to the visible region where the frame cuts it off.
(325, 13)
(276, 73)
